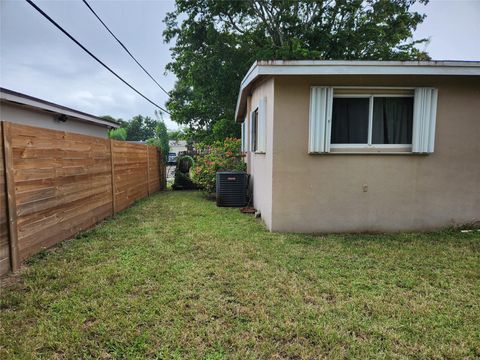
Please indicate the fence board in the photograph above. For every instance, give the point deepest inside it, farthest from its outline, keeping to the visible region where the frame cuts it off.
(55, 184)
(62, 182)
(10, 193)
(153, 169)
(4, 243)
(112, 177)
(130, 169)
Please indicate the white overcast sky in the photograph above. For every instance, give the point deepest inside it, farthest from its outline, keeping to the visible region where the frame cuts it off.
(38, 60)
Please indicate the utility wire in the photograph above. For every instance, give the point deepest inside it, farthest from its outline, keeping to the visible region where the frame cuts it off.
(93, 56)
(124, 47)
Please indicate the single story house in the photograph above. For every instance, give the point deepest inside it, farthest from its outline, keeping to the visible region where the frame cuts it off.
(359, 146)
(27, 110)
(177, 146)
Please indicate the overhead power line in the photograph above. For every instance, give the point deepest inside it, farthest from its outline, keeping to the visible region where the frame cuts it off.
(92, 55)
(124, 47)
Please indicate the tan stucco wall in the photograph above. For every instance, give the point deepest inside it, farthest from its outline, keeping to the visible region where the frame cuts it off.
(25, 116)
(324, 193)
(259, 166)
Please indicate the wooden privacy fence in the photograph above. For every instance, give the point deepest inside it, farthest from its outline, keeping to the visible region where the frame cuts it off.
(54, 184)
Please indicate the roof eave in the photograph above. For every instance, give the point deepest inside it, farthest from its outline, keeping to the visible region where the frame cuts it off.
(42, 105)
(242, 98)
(335, 67)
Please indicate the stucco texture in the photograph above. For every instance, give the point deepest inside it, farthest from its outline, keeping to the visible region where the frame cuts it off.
(44, 119)
(259, 165)
(326, 193)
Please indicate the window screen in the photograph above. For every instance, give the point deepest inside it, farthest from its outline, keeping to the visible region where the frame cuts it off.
(350, 120)
(392, 120)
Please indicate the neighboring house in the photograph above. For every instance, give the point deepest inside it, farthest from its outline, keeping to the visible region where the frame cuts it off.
(177, 146)
(24, 109)
(351, 146)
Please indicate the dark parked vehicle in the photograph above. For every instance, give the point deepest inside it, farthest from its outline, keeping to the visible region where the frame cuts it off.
(172, 158)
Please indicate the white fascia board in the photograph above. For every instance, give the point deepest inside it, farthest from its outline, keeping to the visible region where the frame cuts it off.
(367, 70)
(382, 67)
(340, 67)
(37, 105)
(242, 96)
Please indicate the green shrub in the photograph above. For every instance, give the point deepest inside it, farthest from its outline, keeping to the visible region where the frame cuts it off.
(118, 134)
(182, 180)
(161, 139)
(220, 156)
(185, 163)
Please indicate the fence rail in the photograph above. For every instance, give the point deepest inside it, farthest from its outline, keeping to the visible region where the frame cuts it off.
(54, 184)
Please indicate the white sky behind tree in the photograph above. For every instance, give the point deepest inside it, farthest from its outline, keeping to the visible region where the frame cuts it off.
(37, 59)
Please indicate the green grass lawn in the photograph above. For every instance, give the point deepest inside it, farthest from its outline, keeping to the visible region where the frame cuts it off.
(176, 277)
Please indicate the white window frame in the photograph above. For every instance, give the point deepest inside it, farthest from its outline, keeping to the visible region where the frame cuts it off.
(258, 142)
(253, 140)
(244, 146)
(425, 103)
(262, 126)
(369, 145)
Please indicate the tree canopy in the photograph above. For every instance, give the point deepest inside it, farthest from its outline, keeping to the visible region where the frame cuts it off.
(118, 134)
(142, 128)
(216, 41)
(160, 139)
(177, 135)
(138, 128)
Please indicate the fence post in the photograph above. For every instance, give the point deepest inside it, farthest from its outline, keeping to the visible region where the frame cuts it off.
(148, 170)
(112, 165)
(162, 170)
(11, 199)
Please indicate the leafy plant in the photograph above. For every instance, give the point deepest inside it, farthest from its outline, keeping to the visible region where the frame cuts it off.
(118, 134)
(215, 43)
(182, 174)
(161, 139)
(119, 121)
(141, 128)
(220, 156)
(177, 135)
